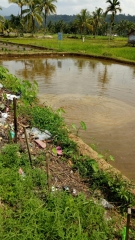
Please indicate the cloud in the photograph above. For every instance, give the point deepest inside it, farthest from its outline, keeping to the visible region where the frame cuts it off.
(75, 6)
(4, 3)
(71, 7)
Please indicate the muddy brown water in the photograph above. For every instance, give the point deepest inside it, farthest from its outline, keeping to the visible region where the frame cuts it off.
(100, 93)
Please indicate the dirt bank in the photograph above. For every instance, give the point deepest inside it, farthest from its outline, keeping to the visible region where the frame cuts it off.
(84, 149)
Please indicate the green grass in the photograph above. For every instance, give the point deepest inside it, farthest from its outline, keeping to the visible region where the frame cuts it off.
(100, 46)
(27, 210)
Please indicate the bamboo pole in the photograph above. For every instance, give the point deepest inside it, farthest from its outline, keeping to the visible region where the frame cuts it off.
(15, 119)
(27, 146)
(47, 170)
(128, 223)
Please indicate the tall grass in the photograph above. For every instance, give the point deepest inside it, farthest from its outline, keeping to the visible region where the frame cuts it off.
(28, 211)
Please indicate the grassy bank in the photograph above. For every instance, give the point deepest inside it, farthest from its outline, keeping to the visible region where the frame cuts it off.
(28, 210)
(101, 46)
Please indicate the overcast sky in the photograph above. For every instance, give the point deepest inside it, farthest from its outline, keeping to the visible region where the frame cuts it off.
(71, 7)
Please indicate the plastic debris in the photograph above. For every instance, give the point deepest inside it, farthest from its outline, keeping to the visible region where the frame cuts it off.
(106, 204)
(7, 109)
(21, 172)
(12, 134)
(54, 189)
(74, 192)
(45, 135)
(2, 121)
(11, 97)
(40, 143)
(1, 86)
(66, 189)
(4, 115)
(59, 150)
(34, 131)
(41, 135)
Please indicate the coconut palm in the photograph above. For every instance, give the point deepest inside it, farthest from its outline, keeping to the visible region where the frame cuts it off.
(113, 7)
(31, 14)
(97, 19)
(20, 3)
(48, 7)
(2, 22)
(83, 20)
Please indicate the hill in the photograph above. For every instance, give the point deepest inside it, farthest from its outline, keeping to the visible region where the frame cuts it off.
(13, 9)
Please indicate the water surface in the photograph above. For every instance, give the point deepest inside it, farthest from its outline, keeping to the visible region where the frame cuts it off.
(100, 93)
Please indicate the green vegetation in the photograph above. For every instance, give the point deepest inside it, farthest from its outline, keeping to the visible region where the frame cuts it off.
(117, 48)
(28, 210)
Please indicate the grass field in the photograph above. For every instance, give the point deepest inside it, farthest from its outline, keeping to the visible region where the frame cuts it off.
(100, 46)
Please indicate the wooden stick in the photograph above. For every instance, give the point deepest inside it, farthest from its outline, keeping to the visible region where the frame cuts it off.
(47, 171)
(128, 223)
(28, 146)
(15, 119)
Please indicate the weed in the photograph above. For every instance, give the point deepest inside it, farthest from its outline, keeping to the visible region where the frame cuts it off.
(82, 126)
(85, 166)
(114, 188)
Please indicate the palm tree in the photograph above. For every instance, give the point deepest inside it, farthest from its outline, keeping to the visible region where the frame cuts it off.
(48, 7)
(2, 23)
(113, 7)
(83, 20)
(20, 3)
(97, 19)
(32, 14)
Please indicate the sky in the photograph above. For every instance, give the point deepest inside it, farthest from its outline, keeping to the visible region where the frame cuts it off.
(71, 7)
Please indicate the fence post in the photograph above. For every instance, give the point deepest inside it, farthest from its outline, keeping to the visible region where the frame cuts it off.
(47, 170)
(28, 146)
(128, 223)
(15, 119)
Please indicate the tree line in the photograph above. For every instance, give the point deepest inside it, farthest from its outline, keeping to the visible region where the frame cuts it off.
(41, 15)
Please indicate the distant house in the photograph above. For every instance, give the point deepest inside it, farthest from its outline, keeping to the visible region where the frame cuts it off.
(131, 37)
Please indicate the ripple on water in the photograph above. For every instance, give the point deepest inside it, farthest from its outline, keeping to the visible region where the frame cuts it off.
(93, 109)
(110, 122)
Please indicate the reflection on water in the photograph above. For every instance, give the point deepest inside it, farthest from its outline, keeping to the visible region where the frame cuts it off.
(100, 93)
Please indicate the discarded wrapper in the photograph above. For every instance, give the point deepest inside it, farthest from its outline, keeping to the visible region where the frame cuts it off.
(40, 143)
(40, 135)
(59, 150)
(11, 97)
(21, 172)
(12, 134)
(1, 86)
